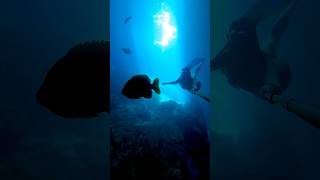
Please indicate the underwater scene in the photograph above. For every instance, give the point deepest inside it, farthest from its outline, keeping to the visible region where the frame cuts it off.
(198, 89)
(265, 124)
(160, 89)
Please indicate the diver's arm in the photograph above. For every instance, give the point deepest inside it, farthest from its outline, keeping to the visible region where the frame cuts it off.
(195, 62)
(279, 28)
(172, 82)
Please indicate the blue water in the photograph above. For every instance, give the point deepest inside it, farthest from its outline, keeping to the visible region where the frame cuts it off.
(175, 107)
(191, 21)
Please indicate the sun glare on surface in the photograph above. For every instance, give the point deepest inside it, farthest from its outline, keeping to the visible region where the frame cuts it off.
(168, 30)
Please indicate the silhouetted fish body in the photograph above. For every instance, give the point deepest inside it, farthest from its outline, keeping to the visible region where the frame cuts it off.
(140, 86)
(78, 85)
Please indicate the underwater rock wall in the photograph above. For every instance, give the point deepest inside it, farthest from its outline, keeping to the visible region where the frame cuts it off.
(166, 141)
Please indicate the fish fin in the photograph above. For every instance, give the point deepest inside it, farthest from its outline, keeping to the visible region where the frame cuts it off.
(155, 86)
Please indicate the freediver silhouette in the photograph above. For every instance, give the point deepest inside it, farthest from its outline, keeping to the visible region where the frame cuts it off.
(188, 78)
(258, 69)
(252, 67)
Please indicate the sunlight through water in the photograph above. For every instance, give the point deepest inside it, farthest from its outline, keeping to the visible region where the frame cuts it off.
(163, 20)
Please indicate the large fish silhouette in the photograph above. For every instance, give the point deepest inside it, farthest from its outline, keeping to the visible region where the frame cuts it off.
(78, 85)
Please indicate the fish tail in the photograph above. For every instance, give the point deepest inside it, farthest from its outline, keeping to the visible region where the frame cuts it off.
(155, 85)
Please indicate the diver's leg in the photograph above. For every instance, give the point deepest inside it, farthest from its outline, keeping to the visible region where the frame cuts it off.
(279, 27)
(282, 22)
(261, 10)
(196, 72)
(194, 62)
(278, 74)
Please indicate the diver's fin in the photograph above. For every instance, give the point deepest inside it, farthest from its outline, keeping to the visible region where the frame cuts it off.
(155, 86)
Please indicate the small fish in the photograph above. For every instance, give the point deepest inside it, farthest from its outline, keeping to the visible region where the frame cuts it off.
(140, 86)
(126, 50)
(78, 84)
(127, 19)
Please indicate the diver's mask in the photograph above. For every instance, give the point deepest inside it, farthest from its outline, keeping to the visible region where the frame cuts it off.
(240, 27)
(232, 34)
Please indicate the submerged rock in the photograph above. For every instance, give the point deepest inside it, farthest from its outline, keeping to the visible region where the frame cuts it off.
(146, 150)
(162, 142)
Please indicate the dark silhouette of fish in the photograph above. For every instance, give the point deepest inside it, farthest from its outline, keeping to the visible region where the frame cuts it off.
(140, 86)
(126, 50)
(78, 85)
(127, 19)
